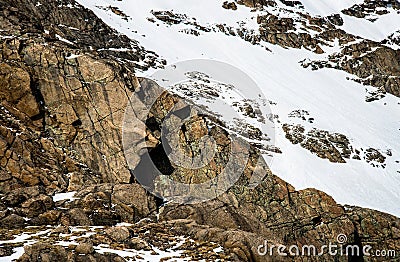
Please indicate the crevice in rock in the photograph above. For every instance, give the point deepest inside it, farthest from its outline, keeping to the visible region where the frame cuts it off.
(161, 160)
(317, 220)
(357, 241)
(77, 123)
(35, 89)
(152, 124)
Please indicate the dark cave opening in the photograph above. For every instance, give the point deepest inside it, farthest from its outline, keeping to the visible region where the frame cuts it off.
(152, 164)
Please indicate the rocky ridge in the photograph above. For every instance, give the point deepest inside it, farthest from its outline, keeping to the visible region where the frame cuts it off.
(62, 105)
(373, 63)
(371, 8)
(333, 146)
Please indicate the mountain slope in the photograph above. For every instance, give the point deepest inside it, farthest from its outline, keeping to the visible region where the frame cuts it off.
(69, 193)
(334, 103)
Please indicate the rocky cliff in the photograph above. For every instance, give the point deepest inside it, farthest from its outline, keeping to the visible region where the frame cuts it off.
(65, 81)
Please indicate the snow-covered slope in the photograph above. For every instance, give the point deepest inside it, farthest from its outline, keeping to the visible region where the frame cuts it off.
(336, 104)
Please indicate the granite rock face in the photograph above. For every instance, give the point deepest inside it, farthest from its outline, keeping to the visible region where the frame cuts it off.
(61, 114)
(62, 107)
(67, 21)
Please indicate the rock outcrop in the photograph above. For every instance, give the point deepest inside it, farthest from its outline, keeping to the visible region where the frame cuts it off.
(332, 146)
(373, 63)
(63, 100)
(371, 8)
